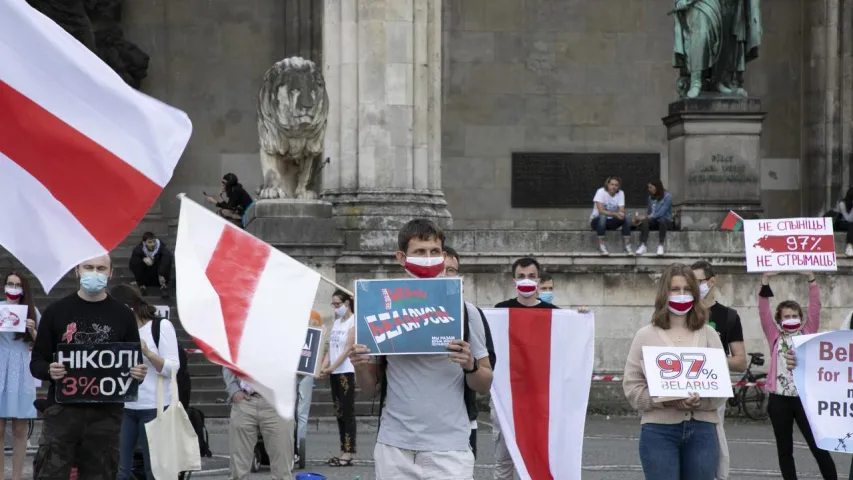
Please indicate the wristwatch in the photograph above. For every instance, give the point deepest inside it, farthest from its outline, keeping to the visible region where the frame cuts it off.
(476, 367)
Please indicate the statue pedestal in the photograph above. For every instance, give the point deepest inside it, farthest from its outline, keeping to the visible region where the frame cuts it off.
(714, 159)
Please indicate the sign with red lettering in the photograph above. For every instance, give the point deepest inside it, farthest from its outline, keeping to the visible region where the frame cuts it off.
(789, 245)
(676, 372)
(414, 316)
(824, 380)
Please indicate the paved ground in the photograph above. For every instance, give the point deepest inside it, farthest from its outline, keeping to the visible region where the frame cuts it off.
(610, 452)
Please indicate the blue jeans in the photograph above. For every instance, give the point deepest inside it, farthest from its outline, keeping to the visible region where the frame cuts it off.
(684, 451)
(133, 433)
(602, 223)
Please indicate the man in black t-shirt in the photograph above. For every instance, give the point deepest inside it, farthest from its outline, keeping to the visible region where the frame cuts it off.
(727, 323)
(81, 435)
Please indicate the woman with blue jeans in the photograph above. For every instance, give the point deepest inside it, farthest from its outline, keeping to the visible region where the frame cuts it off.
(144, 409)
(658, 217)
(678, 437)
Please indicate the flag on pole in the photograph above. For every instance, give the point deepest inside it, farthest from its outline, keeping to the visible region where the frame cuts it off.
(244, 302)
(732, 222)
(541, 387)
(83, 156)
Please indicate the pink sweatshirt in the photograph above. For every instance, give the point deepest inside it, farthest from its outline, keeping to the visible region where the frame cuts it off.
(771, 329)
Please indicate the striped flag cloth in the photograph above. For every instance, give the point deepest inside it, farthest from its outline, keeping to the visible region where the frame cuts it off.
(83, 156)
(733, 222)
(243, 302)
(541, 387)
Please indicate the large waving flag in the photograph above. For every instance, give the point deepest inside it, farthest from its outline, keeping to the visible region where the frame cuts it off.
(243, 302)
(83, 156)
(541, 387)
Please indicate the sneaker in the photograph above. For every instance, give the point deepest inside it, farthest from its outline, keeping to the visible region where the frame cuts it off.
(629, 250)
(143, 290)
(660, 250)
(603, 250)
(164, 292)
(849, 250)
(642, 250)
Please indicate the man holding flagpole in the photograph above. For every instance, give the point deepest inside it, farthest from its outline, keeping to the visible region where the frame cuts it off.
(428, 438)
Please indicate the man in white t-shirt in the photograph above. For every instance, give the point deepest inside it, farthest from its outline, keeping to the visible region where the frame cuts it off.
(608, 213)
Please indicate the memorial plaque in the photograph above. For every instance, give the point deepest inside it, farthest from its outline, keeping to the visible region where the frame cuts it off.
(563, 180)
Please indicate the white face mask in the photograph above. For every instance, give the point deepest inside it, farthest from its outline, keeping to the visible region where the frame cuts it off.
(340, 311)
(680, 304)
(14, 293)
(791, 324)
(704, 289)
(526, 287)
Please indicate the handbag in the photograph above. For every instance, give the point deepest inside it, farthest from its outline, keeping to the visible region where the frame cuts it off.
(172, 441)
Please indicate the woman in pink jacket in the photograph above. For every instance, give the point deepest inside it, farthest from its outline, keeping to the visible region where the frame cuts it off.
(784, 405)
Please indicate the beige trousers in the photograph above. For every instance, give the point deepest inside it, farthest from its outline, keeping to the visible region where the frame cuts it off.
(248, 418)
(723, 464)
(394, 463)
(504, 466)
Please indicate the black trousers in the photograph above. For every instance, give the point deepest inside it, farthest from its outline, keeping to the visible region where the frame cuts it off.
(845, 226)
(784, 411)
(343, 394)
(654, 224)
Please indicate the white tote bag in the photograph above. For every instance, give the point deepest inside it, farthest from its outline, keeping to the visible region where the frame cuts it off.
(172, 442)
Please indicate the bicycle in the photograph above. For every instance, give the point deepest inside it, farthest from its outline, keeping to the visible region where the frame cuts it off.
(751, 398)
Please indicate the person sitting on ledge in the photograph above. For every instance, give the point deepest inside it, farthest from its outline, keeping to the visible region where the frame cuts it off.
(843, 220)
(237, 203)
(608, 213)
(151, 264)
(658, 217)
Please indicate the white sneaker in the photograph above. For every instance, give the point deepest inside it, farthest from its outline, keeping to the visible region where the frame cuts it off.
(660, 250)
(849, 250)
(629, 250)
(603, 250)
(642, 250)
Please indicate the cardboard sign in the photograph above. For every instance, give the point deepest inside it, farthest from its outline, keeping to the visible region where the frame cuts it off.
(309, 362)
(164, 311)
(789, 245)
(676, 372)
(13, 318)
(824, 380)
(413, 316)
(98, 373)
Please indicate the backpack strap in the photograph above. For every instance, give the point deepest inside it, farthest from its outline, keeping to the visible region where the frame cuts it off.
(155, 331)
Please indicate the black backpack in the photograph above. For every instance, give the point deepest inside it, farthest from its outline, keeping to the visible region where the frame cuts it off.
(468, 395)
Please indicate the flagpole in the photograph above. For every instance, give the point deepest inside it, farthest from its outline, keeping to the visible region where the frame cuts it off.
(183, 196)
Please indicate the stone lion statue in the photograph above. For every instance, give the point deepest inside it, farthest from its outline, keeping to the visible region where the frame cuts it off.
(293, 108)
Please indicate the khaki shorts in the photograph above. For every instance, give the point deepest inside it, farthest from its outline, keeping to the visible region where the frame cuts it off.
(394, 463)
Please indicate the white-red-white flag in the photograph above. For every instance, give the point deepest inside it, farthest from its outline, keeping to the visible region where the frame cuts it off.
(245, 303)
(83, 156)
(541, 387)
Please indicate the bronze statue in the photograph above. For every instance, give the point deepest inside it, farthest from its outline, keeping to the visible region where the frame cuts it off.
(714, 40)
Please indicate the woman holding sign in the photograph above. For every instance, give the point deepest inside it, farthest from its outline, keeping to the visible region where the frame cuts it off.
(156, 352)
(17, 387)
(784, 406)
(342, 373)
(678, 437)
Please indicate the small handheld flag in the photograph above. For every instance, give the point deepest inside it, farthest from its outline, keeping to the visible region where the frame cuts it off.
(732, 222)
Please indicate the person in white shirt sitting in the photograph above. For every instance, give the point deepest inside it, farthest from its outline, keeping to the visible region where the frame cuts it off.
(608, 213)
(144, 409)
(844, 220)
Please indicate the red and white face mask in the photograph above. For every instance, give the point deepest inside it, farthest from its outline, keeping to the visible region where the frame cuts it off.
(791, 324)
(526, 287)
(14, 293)
(680, 304)
(425, 267)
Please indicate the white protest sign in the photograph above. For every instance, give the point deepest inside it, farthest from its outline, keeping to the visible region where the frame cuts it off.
(164, 311)
(824, 380)
(13, 318)
(789, 245)
(680, 371)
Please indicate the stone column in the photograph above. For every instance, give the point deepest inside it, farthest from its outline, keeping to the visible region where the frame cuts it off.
(382, 64)
(828, 103)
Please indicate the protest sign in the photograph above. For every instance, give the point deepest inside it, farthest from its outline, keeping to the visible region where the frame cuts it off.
(789, 245)
(309, 361)
(98, 373)
(676, 372)
(164, 311)
(408, 316)
(824, 380)
(13, 318)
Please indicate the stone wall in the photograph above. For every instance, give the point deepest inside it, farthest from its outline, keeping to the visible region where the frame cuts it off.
(581, 76)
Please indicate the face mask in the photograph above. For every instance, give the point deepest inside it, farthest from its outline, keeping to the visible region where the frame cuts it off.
(704, 289)
(546, 297)
(340, 311)
(425, 267)
(526, 287)
(93, 283)
(14, 293)
(791, 324)
(680, 304)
